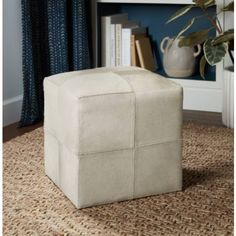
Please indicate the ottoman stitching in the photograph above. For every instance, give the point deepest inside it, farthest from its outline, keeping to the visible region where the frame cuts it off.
(165, 142)
(126, 149)
(158, 142)
(82, 154)
(103, 94)
(134, 128)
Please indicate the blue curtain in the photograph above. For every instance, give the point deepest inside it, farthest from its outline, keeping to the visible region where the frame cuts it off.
(55, 39)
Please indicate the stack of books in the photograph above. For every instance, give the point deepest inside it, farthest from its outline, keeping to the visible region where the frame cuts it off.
(125, 43)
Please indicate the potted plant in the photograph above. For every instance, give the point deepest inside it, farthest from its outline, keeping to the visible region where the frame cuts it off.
(215, 48)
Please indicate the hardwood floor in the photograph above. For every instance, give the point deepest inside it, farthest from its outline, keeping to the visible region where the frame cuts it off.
(12, 131)
(208, 118)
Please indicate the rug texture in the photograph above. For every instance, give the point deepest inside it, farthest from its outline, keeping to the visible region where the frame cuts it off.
(33, 205)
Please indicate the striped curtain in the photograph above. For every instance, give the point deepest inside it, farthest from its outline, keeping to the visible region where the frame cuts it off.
(55, 39)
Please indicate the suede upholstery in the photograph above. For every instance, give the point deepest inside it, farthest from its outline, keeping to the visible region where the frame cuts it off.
(112, 134)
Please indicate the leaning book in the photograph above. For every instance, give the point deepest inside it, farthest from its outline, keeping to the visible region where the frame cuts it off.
(145, 55)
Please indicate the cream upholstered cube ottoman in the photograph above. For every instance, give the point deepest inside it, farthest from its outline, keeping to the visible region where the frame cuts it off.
(112, 134)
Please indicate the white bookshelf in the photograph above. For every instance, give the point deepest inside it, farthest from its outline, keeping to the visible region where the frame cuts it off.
(199, 95)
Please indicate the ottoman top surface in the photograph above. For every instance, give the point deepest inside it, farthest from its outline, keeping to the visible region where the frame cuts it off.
(111, 109)
(99, 81)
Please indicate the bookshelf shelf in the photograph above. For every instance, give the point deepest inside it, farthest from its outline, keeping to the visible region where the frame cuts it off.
(195, 77)
(198, 94)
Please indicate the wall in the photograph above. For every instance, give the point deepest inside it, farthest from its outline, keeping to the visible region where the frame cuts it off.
(12, 61)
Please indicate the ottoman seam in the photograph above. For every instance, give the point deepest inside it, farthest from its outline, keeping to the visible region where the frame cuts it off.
(156, 143)
(83, 155)
(115, 150)
(126, 149)
(165, 142)
(134, 128)
(103, 94)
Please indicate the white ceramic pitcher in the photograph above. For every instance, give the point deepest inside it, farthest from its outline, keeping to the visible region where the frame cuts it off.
(178, 61)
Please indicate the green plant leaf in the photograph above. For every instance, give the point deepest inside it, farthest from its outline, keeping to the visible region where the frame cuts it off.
(179, 13)
(226, 36)
(199, 3)
(202, 66)
(186, 27)
(229, 7)
(214, 53)
(209, 3)
(204, 3)
(194, 38)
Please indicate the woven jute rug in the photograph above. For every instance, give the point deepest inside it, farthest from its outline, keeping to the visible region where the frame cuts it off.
(33, 205)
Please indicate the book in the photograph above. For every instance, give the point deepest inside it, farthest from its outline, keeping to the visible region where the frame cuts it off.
(126, 43)
(118, 44)
(106, 44)
(113, 45)
(145, 53)
(126, 24)
(134, 55)
(118, 39)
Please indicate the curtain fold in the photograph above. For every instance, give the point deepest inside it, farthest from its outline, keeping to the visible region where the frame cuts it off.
(55, 40)
(81, 55)
(58, 36)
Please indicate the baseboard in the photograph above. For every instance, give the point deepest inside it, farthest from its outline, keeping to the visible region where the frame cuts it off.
(200, 99)
(203, 117)
(12, 110)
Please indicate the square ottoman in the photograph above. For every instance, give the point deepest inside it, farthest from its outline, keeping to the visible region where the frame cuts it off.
(112, 134)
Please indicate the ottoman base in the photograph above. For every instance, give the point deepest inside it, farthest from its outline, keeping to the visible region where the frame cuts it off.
(107, 177)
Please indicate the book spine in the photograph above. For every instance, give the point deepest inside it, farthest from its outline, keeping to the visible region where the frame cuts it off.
(118, 44)
(126, 57)
(105, 38)
(140, 55)
(113, 45)
(133, 56)
(145, 53)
